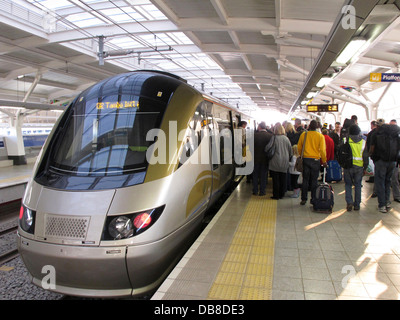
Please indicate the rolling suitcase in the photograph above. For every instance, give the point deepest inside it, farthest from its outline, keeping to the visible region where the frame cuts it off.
(334, 171)
(324, 198)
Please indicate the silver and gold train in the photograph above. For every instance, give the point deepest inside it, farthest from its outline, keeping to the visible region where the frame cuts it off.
(115, 195)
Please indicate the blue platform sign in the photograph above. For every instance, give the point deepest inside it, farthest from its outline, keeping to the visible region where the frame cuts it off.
(385, 77)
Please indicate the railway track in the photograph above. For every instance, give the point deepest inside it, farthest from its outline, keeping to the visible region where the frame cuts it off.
(9, 230)
(8, 227)
(9, 255)
(8, 248)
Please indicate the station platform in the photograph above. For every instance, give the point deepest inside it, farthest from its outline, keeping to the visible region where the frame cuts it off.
(13, 180)
(12, 175)
(257, 248)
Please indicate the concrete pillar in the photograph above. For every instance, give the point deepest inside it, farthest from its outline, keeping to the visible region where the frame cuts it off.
(14, 142)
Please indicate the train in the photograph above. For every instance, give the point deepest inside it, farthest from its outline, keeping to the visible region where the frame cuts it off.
(123, 183)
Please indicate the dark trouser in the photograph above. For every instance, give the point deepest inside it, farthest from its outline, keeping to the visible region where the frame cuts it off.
(310, 175)
(260, 175)
(353, 176)
(383, 180)
(293, 180)
(278, 184)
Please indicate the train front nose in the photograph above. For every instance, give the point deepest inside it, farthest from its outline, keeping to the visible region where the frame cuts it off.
(67, 232)
(80, 271)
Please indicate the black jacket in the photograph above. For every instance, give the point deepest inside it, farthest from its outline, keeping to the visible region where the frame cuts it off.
(385, 143)
(261, 139)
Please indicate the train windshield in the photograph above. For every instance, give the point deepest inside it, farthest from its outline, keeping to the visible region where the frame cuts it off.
(107, 137)
(101, 141)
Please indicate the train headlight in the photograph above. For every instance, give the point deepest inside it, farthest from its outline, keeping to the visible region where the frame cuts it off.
(129, 225)
(27, 219)
(120, 228)
(142, 220)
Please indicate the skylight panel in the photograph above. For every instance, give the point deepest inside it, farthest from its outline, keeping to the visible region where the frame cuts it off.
(180, 37)
(167, 65)
(162, 39)
(124, 42)
(84, 19)
(151, 12)
(51, 4)
(154, 12)
(126, 15)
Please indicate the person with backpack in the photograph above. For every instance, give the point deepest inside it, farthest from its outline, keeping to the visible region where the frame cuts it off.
(354, 174)
(384, 151)
(395, 177)
(344, 132)
(314, 151)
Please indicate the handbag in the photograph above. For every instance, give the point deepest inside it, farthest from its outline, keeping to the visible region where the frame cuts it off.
(270, 149)
(299, 161)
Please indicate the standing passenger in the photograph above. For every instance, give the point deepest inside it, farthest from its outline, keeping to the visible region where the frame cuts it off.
(299, 129)
(384, 157)
(374, 127)
(260, 173)
(291, 134)
(353, 175)
(330, 147)
(279, 164)
(314, 151)
(335, 136)
(395, 177)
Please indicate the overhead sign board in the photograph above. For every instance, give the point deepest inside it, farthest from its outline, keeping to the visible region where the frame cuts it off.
(384, 77)
(322, 108)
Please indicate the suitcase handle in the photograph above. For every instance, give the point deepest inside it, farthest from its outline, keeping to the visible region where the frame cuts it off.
(324, 179)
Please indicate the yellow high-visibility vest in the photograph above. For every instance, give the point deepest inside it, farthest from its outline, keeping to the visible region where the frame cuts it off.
(357, 150)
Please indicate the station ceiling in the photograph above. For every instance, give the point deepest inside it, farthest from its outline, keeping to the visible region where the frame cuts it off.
(254, 54)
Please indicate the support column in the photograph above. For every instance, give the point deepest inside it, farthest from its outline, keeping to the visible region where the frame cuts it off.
(14, 142)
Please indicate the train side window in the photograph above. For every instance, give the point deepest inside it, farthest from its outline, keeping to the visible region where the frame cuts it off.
(223, 119)
(194, 134)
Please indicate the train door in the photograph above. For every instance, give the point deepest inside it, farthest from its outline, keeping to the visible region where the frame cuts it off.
(239, 138)
(221, 145)
(213, 144)
(195, 154)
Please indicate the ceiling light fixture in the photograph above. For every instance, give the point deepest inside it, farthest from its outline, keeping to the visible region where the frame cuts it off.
(323, 82)
(351, 50)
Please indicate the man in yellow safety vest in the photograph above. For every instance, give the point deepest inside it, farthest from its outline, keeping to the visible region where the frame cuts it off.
(353, 175)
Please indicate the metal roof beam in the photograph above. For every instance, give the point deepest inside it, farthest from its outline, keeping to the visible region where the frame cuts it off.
(194, 24)
(219, 8)
(337, 39)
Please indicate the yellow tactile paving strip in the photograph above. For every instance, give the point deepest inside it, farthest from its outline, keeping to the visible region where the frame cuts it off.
(247, 270)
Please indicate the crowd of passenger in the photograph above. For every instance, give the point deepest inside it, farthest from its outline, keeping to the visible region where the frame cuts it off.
(375, 154)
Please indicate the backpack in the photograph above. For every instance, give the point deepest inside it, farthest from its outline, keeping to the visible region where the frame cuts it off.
(344, 132)
(270, 149)
(345, 155)
(388, 143)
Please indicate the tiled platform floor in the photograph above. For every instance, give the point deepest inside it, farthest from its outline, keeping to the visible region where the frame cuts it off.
(343, 255)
